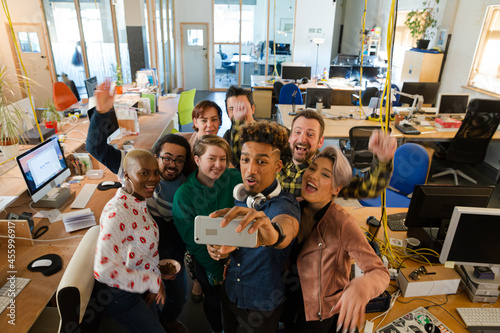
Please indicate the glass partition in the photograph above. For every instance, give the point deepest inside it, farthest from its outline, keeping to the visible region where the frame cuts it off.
(250, 55)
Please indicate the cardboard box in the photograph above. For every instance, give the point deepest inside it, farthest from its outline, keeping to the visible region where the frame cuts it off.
(445, 281)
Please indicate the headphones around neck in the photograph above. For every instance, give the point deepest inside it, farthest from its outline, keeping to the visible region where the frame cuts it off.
(255, 201)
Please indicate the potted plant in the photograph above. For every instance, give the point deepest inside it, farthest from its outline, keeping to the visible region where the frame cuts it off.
(51, 115)
(119, 80)
(421, 23)
(12, 118)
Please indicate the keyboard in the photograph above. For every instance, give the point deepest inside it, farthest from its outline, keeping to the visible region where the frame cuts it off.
(481, 319)
(5, 290)
(396, 222)
(84, 196)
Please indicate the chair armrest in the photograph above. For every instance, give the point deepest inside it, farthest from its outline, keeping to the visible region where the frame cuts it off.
(77, 282)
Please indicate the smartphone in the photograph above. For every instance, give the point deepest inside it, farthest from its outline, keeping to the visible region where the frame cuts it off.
(207, 230)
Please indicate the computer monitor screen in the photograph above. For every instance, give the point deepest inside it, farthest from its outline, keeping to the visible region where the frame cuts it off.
(472, 237)
(43, 168)
(295, 72)
(346, 59)
(452, 104)
(337, 71)
(91, 85)
(369, 72)
(431, 206)
(429, 90)
(111, 127)
(314, 95)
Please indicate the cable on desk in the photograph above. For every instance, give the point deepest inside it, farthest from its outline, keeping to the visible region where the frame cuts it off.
(435, 304)
(75, 130)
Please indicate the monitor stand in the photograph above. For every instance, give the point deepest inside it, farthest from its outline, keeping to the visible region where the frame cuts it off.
(56, 198)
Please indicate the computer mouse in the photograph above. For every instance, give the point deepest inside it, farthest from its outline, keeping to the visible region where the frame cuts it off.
(108, 183)
(42, 263)
(128, 142)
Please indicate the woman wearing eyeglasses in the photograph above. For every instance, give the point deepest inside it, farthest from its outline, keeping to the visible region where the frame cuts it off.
(323, 298)
(206, 190)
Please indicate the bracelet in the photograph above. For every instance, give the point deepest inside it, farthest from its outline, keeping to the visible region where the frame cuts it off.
(281, 236)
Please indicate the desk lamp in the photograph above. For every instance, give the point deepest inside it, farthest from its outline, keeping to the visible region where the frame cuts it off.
(418, 101)
(318, 41)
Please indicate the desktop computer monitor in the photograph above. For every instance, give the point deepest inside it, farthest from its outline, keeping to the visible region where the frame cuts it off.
(452, 104)
(369, 73)
(431, 207)
(338, 71)
(429, 90)
(91, 85)
(295, 72)
(43, 168)
(346, 59)
(472, 237)
(314, 95)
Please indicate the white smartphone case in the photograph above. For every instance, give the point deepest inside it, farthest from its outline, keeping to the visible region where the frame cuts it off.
(207, 230)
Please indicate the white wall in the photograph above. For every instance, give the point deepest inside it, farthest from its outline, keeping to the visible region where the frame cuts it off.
(313, 14)
(21, 11)
(466, 33)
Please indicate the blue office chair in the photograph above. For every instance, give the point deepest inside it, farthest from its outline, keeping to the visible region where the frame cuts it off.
(286, 94)
(411, 165)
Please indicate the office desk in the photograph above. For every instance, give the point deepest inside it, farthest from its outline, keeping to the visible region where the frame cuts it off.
(399, 309)
(339, 129)
(33, 299)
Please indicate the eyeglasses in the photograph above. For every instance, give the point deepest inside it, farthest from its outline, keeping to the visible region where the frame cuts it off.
(169, 160)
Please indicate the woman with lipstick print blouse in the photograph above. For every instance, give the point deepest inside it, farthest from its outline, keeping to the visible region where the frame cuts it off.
(328, 237)
(126, 256)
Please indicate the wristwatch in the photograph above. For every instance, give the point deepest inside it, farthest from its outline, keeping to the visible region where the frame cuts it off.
(281, 234)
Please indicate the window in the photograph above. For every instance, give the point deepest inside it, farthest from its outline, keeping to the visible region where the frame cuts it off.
(485, 72)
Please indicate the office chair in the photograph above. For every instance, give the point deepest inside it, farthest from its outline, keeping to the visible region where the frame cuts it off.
(359, 156)
(411, 166)
(63, 97)
(185, 110)
(71, 85)
(286, 94)
(229, 66)
(367, 94)
(277, 89)
(78, 288)
(473, 137)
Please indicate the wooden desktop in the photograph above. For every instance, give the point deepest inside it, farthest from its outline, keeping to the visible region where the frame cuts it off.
(339, 127)
(39, 292)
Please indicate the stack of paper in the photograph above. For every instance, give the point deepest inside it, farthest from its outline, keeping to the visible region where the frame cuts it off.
(80, 219)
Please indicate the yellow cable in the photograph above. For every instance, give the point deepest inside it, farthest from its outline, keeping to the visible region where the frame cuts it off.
(363, 23)
(14, 40)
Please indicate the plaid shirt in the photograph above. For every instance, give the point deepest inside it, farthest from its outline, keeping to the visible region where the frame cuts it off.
(369, 186)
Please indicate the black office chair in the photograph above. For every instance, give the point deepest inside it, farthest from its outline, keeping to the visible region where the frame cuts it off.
(229, 66)
(277, 88)
(359, 156)
(473, 137)
(367, 94)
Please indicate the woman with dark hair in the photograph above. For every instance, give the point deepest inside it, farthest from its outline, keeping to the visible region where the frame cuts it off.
(208, 189)
(328, 237)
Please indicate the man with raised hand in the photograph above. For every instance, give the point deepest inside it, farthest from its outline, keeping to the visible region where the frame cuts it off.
(306, 137)
(253, 290)
(171, 152)
(240, 108)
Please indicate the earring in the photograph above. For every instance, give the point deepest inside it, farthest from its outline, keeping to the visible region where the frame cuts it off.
(128, 186)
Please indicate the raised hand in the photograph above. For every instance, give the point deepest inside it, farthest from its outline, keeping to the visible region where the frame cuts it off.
(104, 98)
(382, 145)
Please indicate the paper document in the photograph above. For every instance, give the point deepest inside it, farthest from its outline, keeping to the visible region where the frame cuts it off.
(6, 201)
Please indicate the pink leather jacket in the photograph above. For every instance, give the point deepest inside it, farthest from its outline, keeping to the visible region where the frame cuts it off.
(324, 264)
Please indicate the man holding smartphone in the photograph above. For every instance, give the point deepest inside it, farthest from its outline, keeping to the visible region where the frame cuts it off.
(253, 294)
